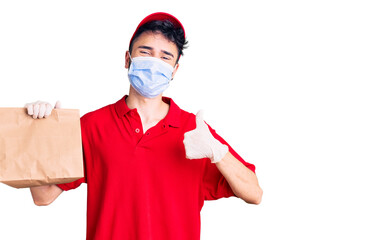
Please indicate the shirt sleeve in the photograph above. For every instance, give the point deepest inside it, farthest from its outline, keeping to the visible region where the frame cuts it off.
(77, 183)
(215, 186)
(71, 185)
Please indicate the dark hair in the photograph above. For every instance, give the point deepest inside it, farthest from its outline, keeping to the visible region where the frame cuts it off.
(167, 28)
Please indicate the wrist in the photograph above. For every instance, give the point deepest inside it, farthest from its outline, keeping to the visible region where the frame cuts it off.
(219, 151)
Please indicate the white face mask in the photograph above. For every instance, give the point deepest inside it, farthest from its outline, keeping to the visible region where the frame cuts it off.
(149, 76)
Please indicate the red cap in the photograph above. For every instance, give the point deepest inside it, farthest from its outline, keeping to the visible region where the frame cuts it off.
(159, 16)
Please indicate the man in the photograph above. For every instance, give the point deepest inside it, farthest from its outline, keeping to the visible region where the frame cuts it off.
(149, 165)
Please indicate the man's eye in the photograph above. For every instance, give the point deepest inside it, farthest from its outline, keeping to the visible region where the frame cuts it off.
(166, 58)
(144, 52)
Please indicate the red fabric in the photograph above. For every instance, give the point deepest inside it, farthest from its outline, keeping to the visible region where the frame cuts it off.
(141, 186)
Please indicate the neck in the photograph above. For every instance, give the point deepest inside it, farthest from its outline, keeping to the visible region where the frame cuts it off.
(150, 109)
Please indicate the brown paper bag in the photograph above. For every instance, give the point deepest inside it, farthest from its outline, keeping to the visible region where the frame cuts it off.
(36, 152)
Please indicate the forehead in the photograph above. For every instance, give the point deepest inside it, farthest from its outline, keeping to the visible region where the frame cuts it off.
(157, 41)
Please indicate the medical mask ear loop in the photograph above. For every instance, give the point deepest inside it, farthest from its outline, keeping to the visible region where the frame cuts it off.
(130, 60)
(172, 78)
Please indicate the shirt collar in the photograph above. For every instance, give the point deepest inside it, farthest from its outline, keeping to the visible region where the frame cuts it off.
(172, 118)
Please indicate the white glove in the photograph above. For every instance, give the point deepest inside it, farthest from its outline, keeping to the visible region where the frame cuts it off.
(200, 143)
(41, 109)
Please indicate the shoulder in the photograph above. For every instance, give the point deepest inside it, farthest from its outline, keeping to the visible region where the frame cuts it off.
(188, 120)
(98, 116)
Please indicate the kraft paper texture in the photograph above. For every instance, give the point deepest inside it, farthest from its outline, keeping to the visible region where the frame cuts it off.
(35, 152)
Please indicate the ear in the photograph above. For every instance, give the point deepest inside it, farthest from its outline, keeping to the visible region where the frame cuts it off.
(127, 59)
(175, 69)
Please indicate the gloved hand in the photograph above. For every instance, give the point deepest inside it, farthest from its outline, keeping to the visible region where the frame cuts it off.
(200, 143)
(41, 109)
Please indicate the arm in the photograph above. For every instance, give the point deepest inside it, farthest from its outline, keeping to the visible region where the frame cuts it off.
(200, 143)
(45, 195)
(243, 181)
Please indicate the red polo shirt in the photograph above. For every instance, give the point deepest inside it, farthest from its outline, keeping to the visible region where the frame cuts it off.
(141, 186)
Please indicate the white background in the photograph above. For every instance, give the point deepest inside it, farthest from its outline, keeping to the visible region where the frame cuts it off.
(301, 89)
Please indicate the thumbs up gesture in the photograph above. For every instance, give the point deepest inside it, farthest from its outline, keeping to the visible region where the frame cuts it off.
(200, 143)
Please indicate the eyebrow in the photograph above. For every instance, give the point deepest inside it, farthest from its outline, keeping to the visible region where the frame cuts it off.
(145, 47)
(168, 53)
(151, 48)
